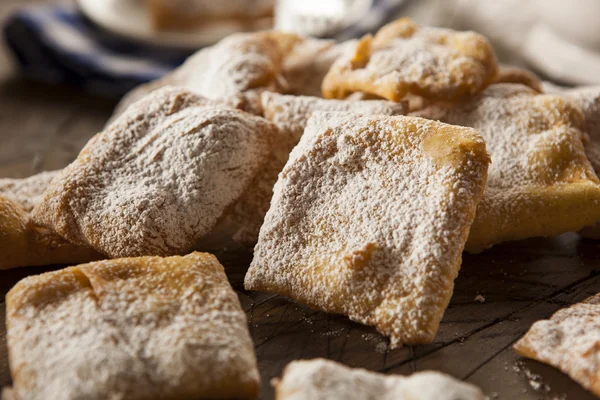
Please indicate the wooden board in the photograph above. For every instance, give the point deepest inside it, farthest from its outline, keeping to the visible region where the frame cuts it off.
(43, 128)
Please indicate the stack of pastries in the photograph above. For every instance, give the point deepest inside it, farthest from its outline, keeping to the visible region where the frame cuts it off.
(358, 172)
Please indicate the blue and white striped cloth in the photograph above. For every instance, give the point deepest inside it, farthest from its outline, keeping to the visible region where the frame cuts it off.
(59, 45)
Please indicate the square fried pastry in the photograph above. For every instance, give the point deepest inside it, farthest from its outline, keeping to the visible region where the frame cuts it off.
(568, 341)
(290, 114)
(132, 328)
(540, 182)
(588, 100)
(369, 218)
(159, 178)
(321, 379)
(403, 58)
(233, 71)
(22, 242)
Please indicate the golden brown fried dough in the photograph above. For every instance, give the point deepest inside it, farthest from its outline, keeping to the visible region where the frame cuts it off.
(27, 191)
(306, 65)
(234, 71)
(369, 218)
(132, 328)
(540, 182)
(509, 74)
(588, 100)
(23, 243)
(403, 57)
(568, 341)
(159, 178)
(321, 379)
(290, 114)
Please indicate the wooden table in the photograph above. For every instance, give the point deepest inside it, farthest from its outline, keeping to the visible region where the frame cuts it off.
(44, 127)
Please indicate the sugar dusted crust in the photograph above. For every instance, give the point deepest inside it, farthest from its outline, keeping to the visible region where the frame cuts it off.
(135, 328)
(290, 114)
(540, 182)
(321, 379)
(403, 57)
(305, 67)
(27, 191)
(158, 178)
(588, 100)
(568, 341)
(234, 71)
(22, 242)
(369, 219)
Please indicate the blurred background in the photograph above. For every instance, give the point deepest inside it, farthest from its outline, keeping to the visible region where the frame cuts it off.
(111, 46)
(64, 64)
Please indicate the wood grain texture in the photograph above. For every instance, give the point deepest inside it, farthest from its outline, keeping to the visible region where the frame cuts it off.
(43, 128)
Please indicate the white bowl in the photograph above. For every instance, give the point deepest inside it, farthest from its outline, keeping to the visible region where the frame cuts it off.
(131, 19)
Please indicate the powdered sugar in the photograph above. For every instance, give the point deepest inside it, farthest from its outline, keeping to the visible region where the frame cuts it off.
(28, 191)
(159, 178)
(23, 242)
(305, 67)
(540, 182)
(569, 341)
(369, 219)
(588, 99)
(322, 379)
(290, 114)
(406, 58)
(132, 328)
(241, 63)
